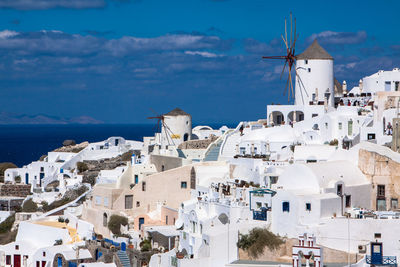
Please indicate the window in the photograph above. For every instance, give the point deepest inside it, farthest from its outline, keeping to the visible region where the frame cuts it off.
(326, 125)
(137, 204)
(306, 61)
(273, 179)
(394, 204)
(242, 150)
(136, 179)
(350, 127)
(381, 190)
(143, 186)
(308, 206)
(340, 126)
(339, 190)
(128, 201)
(192, 178)
(259, 205)
(8, 259)
(396, 86)
(371, 136)
(41, 169)
(16, 247)
(309, 69)
(166, 219)
(105, 219)
(97, 200)
(388, 86)
(44, 253)
(201, 229)
(348, 201)
(183, 185)
(285, 206)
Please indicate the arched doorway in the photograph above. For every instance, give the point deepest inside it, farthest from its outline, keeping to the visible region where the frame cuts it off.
(185, 137)
(299, 116)
(105, 219)
(277, 118)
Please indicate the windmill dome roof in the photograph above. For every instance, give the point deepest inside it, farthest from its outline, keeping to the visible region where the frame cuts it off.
(315, 51)
(177, 112)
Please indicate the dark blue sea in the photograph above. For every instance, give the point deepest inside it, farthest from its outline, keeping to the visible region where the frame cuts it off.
(22, 144)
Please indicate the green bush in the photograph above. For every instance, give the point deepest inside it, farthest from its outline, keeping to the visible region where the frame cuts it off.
(82, 166)
(334, 142)
(115, 222)
(7, 224)
(45, 206)
(17, 179)
(127, 156)
(145, 245)
(257, 239)
(29, 206)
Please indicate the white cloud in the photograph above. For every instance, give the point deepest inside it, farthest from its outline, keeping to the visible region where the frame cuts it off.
(7, 34)
(202, 53)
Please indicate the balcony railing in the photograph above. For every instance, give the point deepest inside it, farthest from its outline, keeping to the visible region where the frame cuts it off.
(260, 215)
(386, 260)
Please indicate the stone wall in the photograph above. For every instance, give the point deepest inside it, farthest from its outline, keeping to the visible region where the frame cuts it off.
(15, 190)
(380, 170)
(197, 144)
(284, 254)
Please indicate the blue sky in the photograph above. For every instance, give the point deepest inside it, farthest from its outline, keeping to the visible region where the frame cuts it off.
(115, 60)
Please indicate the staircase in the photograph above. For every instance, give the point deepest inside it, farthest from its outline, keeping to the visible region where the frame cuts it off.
(229, 148)
(213, 152)
(123, 258)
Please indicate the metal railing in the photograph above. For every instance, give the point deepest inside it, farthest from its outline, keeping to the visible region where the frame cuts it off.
(386, 260)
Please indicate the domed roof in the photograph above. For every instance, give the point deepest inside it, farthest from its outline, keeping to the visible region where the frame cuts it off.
(315, 51)
(177, 112)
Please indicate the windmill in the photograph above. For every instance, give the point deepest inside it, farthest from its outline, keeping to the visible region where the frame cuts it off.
(160, 125)
(290, 57)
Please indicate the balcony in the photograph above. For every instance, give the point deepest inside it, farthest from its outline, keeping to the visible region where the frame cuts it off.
(260, 215)
(385, 260)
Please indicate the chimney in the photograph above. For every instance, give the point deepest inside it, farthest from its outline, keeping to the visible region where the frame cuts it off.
(344, 88)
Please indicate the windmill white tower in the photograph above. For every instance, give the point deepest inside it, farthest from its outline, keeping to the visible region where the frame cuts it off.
(314, 79)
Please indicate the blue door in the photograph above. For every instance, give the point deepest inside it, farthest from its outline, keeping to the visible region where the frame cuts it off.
(141, 221)
(376, 253)
(123, 246)
(26, 178)
(59, 262)
(136, 179)
(72, 264)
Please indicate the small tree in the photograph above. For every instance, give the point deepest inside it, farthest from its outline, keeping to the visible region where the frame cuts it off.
(17, 179)
(145, 245)
(7, 224)
(115, 222)
(334, 142)
(29, 206)
(257, 239)
(82, 166)
(127, 156)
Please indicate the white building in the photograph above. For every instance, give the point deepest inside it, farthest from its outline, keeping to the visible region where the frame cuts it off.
(307, 193)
